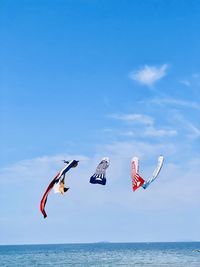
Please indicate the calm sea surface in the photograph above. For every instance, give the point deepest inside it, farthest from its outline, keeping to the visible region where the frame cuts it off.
(181, 254)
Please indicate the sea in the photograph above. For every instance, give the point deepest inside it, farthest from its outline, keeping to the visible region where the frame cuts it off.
(176, 254)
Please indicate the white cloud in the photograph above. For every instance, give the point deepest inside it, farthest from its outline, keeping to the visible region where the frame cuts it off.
(185, 82)
(193, 130)
(26, 170)
(147, 125)
(128, 133)
(174, 102)
(192, 81)
(151, 131)
(138, 118)
(148, 75)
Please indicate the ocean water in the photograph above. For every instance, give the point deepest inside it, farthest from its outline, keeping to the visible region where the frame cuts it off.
(181, 254)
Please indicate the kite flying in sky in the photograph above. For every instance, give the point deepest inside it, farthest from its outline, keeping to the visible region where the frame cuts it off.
(99, 177)
(137, 180)
(58, 183)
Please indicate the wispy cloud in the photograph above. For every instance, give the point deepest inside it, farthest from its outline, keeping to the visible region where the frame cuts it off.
(191, 80)
(193, 130)
(151, 131)
(146, 124)
(185, 82)
(35, 168)
(148, 75)
(135, 118)
(174, 102)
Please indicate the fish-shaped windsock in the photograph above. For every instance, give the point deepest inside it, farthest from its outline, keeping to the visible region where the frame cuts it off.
(137, 180)
(99, 177)
(58, 179)
(155, 173)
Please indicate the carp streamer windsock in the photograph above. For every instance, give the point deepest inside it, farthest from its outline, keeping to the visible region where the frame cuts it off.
(137, 180)
(99, 177)
(57, 180)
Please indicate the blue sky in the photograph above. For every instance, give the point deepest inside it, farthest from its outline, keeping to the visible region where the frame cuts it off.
(85, 79)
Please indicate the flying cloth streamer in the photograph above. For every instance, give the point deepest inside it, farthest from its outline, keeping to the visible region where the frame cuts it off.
(99, 177)
(59, 178)
(137, 180)
(155, 173)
